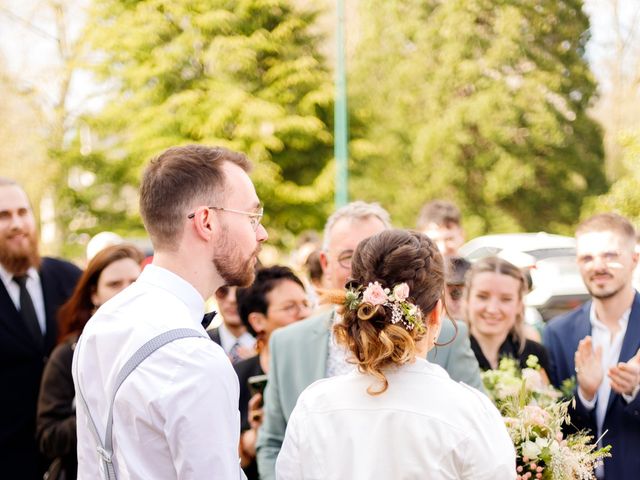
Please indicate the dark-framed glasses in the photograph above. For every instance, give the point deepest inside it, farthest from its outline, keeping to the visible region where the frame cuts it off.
(254, 217)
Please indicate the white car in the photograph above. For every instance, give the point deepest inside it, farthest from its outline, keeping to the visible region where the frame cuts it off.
(557, 286)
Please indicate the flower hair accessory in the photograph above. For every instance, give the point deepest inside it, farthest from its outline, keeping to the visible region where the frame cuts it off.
(366, 302)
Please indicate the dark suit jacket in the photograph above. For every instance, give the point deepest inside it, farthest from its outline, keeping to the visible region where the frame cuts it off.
(214, 335)
(622, 419)
(21, 365)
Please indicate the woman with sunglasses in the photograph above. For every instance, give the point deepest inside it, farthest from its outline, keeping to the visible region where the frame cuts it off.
(232, 334)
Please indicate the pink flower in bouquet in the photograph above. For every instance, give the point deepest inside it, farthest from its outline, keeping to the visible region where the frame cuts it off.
(374, 294)
(401, 291)
(534, 415)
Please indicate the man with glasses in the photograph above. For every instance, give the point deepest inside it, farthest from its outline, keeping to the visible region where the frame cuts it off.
(232, 334)
(306, 351)
(176, 414)
(598, 344)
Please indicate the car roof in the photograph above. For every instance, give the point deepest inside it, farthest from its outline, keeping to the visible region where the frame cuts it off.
(532, 243)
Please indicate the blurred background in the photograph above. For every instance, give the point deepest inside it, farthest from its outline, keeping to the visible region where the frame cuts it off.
(525, 113)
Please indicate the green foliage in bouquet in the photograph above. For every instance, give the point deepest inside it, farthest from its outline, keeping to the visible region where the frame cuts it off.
(534, 414)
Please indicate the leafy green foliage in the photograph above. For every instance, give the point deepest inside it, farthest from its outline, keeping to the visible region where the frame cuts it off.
(243, 74)
(624, 195)
(483, 102)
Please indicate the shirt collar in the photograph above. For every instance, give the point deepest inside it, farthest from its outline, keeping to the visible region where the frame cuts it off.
(177, 286)
(7, 276)
(597, 323)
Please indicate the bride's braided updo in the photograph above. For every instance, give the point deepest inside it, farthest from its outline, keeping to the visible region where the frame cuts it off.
(390, 258)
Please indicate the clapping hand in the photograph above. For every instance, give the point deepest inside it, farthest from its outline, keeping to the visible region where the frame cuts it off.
(589, 372)
(625, 376)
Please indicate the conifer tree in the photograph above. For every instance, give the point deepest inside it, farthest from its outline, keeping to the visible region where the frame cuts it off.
(483, 102)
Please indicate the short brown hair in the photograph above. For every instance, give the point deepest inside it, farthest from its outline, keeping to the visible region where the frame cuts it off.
(610, 221)
(501, 266)
(391, 257)
(440, 212)
(174, 180)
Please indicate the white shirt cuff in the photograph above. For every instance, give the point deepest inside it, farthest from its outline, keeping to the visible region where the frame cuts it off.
(632, 397)
(588, 404)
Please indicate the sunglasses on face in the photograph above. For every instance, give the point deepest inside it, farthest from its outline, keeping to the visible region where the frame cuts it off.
(223, 292)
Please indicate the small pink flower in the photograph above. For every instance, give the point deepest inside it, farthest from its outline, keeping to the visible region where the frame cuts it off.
(374, 294)
(401, 291)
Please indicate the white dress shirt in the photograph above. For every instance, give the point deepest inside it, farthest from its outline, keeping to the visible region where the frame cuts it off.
(228, 339)
(424, 426)
(611, 347)
(176, 415)
(34, 287)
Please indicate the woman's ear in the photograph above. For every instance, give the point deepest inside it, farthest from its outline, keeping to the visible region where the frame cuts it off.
(258, 321)
(435, 317)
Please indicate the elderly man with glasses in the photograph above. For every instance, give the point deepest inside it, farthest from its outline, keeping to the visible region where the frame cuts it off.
(304, 352)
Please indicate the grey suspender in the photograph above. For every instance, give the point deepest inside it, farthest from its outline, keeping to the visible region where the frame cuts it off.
(105, 448)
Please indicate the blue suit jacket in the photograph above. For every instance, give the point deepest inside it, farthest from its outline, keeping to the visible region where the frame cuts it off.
(622, 419)
(298, 357)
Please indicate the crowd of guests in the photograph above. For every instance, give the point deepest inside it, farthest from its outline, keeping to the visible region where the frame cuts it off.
(369, 367)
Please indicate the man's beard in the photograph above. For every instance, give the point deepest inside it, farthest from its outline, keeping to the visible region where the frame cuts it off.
(605, 295)
(232, 268)
(20, 260)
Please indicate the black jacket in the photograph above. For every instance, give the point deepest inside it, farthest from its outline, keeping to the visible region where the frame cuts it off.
(21, 364)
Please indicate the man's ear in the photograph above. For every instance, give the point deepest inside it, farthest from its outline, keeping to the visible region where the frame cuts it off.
(257, 321)
(324, 261)
(203, 223)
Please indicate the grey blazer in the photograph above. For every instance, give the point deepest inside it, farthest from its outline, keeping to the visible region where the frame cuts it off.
(298, 357)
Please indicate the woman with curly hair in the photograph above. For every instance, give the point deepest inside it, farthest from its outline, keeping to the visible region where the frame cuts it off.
(397, 415)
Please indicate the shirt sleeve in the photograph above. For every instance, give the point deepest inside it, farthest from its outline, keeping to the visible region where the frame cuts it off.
(201, 418)
(587, 404)
(288, 463)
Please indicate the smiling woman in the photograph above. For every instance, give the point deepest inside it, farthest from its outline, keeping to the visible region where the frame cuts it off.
(495, 291)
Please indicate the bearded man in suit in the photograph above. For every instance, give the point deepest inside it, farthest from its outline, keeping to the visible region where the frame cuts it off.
(304, 352)
(31, 290)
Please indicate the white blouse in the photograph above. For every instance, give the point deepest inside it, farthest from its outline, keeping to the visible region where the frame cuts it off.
(425, 426)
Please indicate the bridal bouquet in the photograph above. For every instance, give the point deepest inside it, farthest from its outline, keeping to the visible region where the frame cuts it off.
(534, 414)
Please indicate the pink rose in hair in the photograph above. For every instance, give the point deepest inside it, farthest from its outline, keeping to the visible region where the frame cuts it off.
(401, 291)
(374, 294)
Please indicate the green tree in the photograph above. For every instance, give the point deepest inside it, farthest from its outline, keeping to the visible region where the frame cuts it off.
(483, 102)
(245, 74)
(624, 195)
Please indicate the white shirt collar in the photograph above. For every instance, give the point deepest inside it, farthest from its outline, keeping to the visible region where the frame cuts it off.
(175, 285)
(228, 339)
(596, 323)
(7, 277)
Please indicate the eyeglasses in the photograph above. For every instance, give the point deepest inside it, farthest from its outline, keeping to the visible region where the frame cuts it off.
(607, 257)
(344, 258)
(254, 217)
(455, 291)
(295, 308)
